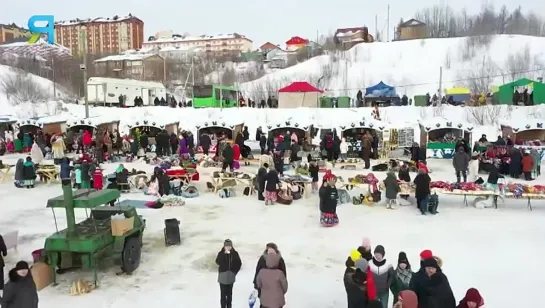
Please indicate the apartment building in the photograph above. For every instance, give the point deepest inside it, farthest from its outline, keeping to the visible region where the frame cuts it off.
(100, 35)
(139, 66)
(233, 44)
(12, 32)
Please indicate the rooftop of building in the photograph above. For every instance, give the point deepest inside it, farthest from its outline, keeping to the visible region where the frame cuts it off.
(189, 38)
(79, 21)
(134, 56)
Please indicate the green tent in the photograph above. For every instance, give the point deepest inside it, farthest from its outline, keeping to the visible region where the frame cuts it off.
(506, 91)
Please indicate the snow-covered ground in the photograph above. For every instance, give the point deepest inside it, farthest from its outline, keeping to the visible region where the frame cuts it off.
(413, 66)
(480, 248)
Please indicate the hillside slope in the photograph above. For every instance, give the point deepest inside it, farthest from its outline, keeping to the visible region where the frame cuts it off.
(413, 67)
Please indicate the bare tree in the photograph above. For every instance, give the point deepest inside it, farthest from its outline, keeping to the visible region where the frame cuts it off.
(518, 64)
(480, 79)
(483, 115)
(21, 88)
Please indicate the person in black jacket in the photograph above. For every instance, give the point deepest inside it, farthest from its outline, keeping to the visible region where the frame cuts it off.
(515, 166)
(432, 287)
(422, 190)
(355, 283)
(295, 148)
(206, 142)
(227, 155)
(271, 187)
(20, 291)
(161, 143)
(229, 264)
(174, 143)
(261, 264)
(261, 178)
(263, 144)
(313, 169)
(246, 133)
(258, 133)
(403, 174)
(144, 142)
(3, 253)
(329, 197)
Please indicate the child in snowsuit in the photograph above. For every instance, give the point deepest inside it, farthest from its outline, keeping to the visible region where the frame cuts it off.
(29, 173)
(344, 150)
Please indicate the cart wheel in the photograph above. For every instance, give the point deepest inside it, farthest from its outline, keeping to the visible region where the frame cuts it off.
(131, 255)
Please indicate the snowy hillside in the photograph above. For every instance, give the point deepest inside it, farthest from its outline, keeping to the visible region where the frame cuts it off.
(27, 87)
(238, 72)
(413, 67)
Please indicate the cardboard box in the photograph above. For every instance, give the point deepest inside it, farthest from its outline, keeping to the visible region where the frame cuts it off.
(42, 275)
(121, 226)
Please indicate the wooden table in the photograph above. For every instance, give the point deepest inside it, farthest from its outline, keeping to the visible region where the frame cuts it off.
(4, 173)
(219, 183)
(48, 174)
(304, 186)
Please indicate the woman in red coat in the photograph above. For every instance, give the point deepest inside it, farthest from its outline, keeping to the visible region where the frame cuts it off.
(98, 179)
(236, 152)
(527, 165)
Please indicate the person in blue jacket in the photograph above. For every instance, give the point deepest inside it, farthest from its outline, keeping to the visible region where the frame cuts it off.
(65, 168)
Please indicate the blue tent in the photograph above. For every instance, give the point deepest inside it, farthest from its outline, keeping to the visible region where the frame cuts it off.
(380, 89)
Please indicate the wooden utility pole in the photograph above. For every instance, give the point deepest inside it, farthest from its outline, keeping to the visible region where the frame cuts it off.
(388, 26)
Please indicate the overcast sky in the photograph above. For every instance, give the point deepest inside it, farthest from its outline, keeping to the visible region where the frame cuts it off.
(261, 21)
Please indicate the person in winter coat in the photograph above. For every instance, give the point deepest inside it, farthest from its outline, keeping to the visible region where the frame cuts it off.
(432, 286)
(355, 282)
(236, 152)
(144, 142)
(261, 178)
(270, 248)
(383, 274)
(20, 291)
(58, 148)
(173, 140)
(65, 168)
(407, 299)
(295, 148)
(87, 139)
(246, 133)
(3, 254)
(18, 143)
(183, 149)
(228, 157)
(205, 142)
(229, 264)
(336, 147)
(29, 173)
(460, 162)
(36, 154)
(258, 133)
(537, 162)
(422, 191)
(328, 144)
(272, 282)
(19, 178)
(271, 187)
(343, 147)
(527, 166)
(313, 169)
(278, 160)
(329, 197)
(403, 174)
(366, 144)
(515, 167)
(473, 299)
(364, 250)
(392, 189)
(27, 142)
(403, 275)
(374, 144)
(473, 167)
(263, 144)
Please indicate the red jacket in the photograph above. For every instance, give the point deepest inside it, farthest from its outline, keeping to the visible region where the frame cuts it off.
(423, 167)
(236, 152)
(87, 138)
(98, 179)
(527, 163)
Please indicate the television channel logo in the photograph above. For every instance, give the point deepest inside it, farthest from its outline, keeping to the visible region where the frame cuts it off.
(37, 31)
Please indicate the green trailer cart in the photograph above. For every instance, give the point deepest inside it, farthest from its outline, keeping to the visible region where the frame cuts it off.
(85, 244)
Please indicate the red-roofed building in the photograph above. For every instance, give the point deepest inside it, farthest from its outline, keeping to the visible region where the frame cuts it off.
(267, 47)
(296, 42)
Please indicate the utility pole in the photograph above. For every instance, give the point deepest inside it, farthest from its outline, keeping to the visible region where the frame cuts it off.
(440, 84)
(376, 27)
(83, 66)
(388, 26)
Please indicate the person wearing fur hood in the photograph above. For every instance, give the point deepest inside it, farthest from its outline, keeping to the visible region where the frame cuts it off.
(270, 248)
(473, 299)
(20, 291)
(432, 287)
(383, 274)
(403, 275)
(359, 284)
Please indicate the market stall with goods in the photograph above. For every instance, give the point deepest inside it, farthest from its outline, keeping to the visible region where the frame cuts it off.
(93, 124)
(7, 123)
(527, 135)
(152, 127)
(48, 125)
(218, 130)
(353, 132)
(440, 136)
(400, 135)
(509, 190)
(302, 129)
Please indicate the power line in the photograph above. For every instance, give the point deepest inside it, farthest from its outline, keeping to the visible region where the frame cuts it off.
(423, 83)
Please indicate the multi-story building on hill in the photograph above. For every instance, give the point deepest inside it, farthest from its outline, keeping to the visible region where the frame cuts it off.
(10, 32)
(100, 35)
(218, 45)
